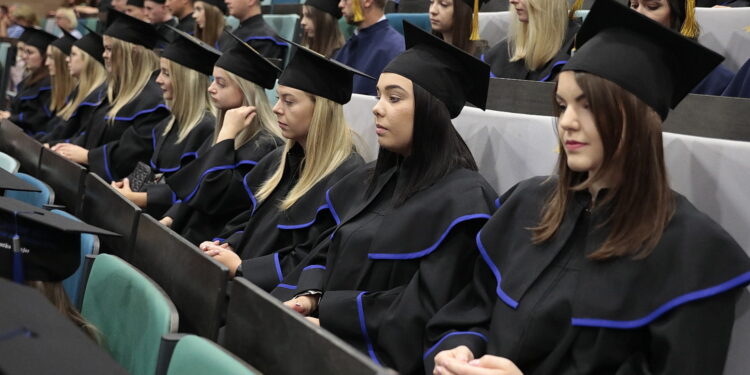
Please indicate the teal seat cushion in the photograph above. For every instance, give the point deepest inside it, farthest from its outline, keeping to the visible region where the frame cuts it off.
(195, 355)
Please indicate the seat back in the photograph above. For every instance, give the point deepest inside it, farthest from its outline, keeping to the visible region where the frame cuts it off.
(196, 283)
(16, 143)
(131, 312)
(286, 25)
(35, 198)
(9, 163)
(194, 355)
(107, 209)
(258, 327)
(89, 246)
(396, 20)
(65, 177)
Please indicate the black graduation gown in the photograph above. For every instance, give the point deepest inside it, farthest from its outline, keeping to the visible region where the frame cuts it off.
(211, 188)
(29, 109)
(169, 157)
(500, 67)
(187, 24)
(551, 310)
(259, 35)
(117, 147)
(68, 131)
(386, 270)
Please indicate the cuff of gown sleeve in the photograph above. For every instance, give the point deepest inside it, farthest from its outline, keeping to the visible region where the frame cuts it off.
(262, 271)
(159, 196)
(98, 163)
(339, 313)
(311, 279)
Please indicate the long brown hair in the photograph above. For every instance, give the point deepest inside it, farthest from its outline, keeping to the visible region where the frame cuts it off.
(55, 293)
(462, 16)
(640, 199)
(39, 73)
(328, 37)
(62, 82)
(214, 24)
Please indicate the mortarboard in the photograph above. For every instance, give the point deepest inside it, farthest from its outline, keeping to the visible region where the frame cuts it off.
(9, 181)
(652, 62)
(65, 42)
(35, 338)
(190, 52)
(92, 44)
(36, 244)
(37, 38)
(316, 74)
(329, 6)
(244, 61)
(445, 71)
(131, 29)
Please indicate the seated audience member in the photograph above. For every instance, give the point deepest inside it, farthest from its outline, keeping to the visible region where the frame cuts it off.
(185, 66)
(374, 44)
(407, 222)
(61, 81)
(586, 271)
(739, 86)
(88, 99)
(540, 37)
(320, 27)
(158, 14)
(124, 135)
(212, 187)
(209, 21)
(29, 109)
(66, 20)
(134, 8)
(458, 24)
(20, 16)
(679, 15)
(254, 31)
(183, 10)
(288, 187)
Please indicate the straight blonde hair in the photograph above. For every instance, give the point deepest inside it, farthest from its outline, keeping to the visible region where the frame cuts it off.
(329, 143)
(62, 82)
(539, 40)
(214, 24)
(92, 76)
(190, 99)
(132, 67)
(253, 95)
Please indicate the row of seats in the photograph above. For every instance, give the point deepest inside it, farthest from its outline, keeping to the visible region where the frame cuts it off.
(189, 292)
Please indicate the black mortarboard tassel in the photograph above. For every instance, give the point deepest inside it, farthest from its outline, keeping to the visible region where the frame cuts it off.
(92, 44)
(316, 74)
(329, 6)
(447, 72)
(191, 52)
(131, 29)
(654, 63)
(36, 244)
(37, 38)
(65, 43)
(244, 61)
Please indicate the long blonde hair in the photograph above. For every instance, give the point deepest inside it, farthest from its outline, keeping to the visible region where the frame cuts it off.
(539, 40)
(190, 99)
(92, 76)
(132, 66)
(55, 293)
(253, 95)
(329, 143)
(62, 82)
(214, 24)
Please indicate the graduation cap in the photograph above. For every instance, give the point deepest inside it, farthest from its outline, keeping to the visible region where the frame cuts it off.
(244, 61)
(37, 38)
(316, 74)
(445, 71)
(219, 4)
(329, 6)
(654, 63)
(475, 6)
(131, 29)
(65, 43)
(135, 3)
(35, 338)
(36, 244)
(92, 44)
(9, 181)
(190, 52)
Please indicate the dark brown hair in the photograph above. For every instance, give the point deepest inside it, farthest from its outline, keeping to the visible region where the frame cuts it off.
(328, 38)
(640, 200)
(39, 73)
(462, 16)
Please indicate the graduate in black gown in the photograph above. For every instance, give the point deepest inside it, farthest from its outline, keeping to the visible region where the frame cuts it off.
(538, 43)
(602, 269)
(254, 31)
(211, 188)
(185, 66)
(88, 99)
(288, 187)
(62, 82)
(29, 109)
(123, 136)
(407, 222)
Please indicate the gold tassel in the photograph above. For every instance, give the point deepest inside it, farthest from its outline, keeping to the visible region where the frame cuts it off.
(577, 5)
(358, 17)
(690, 27)
(475, 22)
